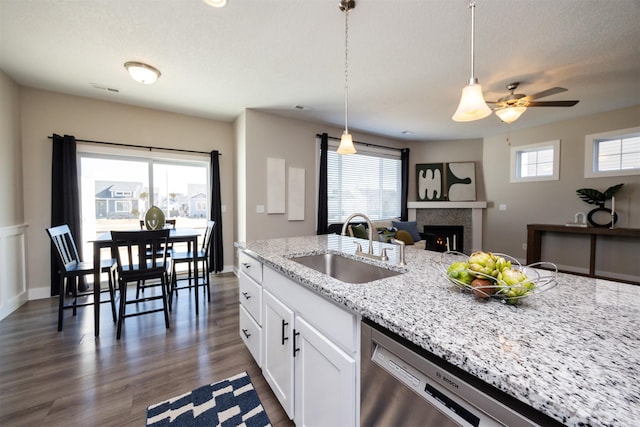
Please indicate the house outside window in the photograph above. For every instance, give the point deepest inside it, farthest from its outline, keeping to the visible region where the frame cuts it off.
(123, 206)
(535, 162)
(615, 153)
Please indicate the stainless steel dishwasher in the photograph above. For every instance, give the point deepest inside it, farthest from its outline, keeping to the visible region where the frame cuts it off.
(402, 385)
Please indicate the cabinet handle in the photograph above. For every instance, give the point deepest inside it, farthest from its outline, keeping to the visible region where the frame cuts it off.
(246, 265)
(284, 325)
(295, 350)
(246, 295)
(246, 333)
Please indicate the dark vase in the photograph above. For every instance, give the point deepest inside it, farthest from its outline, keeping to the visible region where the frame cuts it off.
(597, 216)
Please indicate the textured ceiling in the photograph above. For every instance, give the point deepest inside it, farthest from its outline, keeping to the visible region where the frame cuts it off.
(409, 59)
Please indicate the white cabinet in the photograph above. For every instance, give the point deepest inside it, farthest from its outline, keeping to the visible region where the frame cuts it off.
(325, 379)
(278, 350)
(250, 294)
(310, 353)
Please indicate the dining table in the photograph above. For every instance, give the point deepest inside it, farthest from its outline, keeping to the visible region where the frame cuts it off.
(104, 240)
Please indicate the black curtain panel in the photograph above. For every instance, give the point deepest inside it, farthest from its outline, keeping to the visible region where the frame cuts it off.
(323, 210)
(216, 254)
(65, 197)
(404, 210)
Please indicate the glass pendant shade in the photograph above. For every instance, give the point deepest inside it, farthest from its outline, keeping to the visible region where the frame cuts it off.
(472, 105)
(346, 144)
(142, 73)
(510, 114)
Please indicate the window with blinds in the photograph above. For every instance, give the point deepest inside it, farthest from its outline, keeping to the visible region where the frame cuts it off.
(368, 182)
(615, 153)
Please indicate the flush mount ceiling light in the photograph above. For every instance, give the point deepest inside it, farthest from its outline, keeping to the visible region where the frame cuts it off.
(510, 114)
(472, 104)
(141, 72)
(216, 3)
(346, 141)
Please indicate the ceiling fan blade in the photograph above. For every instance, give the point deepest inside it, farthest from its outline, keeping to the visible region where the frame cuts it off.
(547, 92)
(552, 104)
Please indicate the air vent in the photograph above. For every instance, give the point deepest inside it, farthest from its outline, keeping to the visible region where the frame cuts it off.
(102, 87)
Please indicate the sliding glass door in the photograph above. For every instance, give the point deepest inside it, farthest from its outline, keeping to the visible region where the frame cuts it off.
(118, 189)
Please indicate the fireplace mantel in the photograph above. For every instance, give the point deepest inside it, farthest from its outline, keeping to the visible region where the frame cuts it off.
(447, 205)
(476, 215)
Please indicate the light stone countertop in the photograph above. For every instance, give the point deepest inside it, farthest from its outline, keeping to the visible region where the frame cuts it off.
(572, 352)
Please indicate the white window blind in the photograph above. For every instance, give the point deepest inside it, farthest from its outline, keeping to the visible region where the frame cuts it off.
(368, 182)
(615, 153)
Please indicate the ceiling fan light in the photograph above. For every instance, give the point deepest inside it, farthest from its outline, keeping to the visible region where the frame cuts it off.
(510, 114)
(472, 104)
(346, 144)
(216, 3)
(142, 73)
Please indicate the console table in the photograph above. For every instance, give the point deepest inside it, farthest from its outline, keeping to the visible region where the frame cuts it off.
(535, 231)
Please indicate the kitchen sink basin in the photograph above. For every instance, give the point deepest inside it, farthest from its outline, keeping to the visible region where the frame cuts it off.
(345, 269)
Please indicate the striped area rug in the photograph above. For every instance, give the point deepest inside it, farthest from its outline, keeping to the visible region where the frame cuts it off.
(228, 403)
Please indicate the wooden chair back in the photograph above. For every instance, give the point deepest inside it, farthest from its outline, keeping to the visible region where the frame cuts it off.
(66, 249)
(132, 249)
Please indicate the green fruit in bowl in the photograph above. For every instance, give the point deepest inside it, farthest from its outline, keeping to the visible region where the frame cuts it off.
(460, 271)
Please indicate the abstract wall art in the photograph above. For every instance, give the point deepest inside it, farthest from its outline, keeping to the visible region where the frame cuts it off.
(454, 181)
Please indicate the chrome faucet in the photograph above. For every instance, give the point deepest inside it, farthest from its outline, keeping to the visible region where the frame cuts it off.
(370, 254)
(401, 244)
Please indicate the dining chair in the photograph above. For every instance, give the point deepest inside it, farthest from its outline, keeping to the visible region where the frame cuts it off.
(201, 256)
(71, 268)
(135, 266)
(169, 223)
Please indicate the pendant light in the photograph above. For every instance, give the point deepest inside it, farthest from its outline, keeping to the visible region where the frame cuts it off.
(346, 141)
(472, 105)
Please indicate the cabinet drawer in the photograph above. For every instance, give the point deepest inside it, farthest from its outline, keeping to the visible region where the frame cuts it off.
(251, 334)
(250, 266)
(250, 294)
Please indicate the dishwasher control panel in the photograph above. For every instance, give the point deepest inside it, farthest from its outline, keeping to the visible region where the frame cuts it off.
(431, 390)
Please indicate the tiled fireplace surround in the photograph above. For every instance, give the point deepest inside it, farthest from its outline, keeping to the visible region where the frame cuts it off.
(467, 214)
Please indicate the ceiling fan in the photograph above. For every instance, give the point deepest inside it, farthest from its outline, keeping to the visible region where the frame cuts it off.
(510, 107)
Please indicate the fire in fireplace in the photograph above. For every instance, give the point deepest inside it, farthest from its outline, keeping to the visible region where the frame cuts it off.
(441, 238)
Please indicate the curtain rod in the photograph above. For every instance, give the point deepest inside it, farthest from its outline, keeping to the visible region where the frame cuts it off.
(147, 147)
(363, 143)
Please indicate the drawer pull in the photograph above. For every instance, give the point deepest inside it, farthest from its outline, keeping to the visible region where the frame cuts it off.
(284, 325)
(295, 350)
(246, 265)
(246, 333)
(246, 295)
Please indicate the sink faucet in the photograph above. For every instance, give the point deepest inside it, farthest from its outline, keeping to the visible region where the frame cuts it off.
(401, 244)
(370, 226)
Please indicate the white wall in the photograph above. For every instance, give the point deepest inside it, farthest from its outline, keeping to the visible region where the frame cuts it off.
(13, 275)
(556, 202)
(267, 135)
(45, 113)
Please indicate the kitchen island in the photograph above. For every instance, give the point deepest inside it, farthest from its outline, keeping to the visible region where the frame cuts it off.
(572, 353)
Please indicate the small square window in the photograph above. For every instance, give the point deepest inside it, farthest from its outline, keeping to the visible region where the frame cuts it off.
(614, 153)
(536, 162)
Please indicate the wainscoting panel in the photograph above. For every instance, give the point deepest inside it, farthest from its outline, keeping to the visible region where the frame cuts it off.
(13, 273)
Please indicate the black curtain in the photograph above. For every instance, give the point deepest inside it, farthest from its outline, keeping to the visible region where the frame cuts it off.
(65, 197)
(216, 254)
(323, 210)
(404, 210)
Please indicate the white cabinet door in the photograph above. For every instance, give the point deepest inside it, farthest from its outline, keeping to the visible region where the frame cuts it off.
(278, 360)
(325, 377)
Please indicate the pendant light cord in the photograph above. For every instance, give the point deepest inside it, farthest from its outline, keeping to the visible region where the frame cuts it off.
(346, 70)
(472, 6)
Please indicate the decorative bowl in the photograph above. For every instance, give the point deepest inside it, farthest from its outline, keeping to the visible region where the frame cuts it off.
(538, 277)
(154, 218)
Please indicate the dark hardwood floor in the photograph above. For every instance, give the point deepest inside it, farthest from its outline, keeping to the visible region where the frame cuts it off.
(70, 378)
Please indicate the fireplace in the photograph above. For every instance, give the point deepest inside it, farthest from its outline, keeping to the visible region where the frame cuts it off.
(441, 238)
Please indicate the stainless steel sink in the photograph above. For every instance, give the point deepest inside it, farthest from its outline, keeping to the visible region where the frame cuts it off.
(345, 269)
